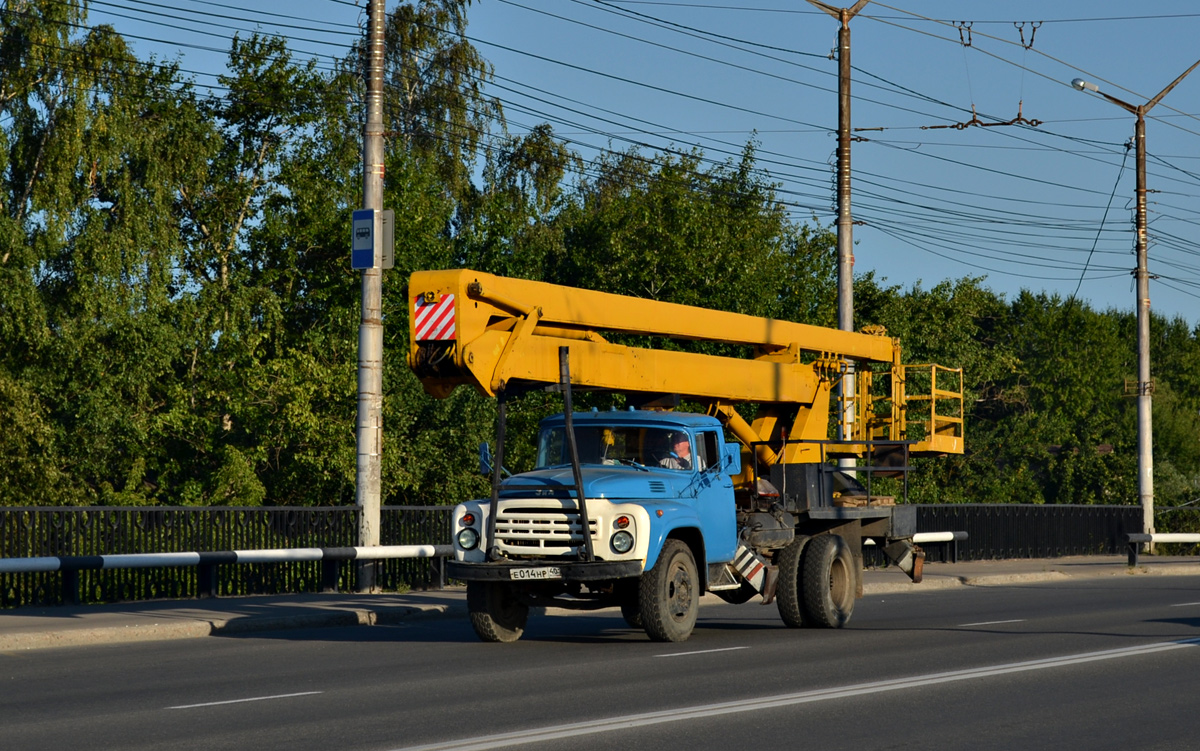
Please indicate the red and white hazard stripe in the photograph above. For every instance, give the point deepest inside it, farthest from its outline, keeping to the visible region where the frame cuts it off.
(434, 320)
(751, 566)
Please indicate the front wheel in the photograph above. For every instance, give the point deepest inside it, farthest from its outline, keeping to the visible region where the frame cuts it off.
(669, 595)
(496, 613)
(828, 581)
(628, 592)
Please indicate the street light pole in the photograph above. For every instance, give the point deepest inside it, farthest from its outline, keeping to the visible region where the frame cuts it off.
(845, 223)
(1145, 387)
(369, 428)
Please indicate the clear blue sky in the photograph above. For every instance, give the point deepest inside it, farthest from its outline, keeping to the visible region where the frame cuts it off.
(1025, 207)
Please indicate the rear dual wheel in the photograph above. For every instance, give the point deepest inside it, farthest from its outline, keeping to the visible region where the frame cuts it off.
(817, 583)
(788, 591)
(829, 582)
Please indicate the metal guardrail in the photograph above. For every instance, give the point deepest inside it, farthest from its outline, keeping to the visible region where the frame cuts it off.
(993, 532)
(949, 540)
(110, 531)
(70, 566)
(1138, 539)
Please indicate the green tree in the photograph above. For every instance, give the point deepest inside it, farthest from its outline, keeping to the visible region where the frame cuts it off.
(86, 319)
(435, 103)
(508, 227)
(954, 324)
(1175, 361)
(220, 436)
(297, 413)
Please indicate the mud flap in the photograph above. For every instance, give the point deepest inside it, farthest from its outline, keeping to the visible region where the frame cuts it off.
(757, 572)
(907, 557)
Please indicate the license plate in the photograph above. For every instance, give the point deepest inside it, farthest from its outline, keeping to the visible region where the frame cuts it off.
(545, 572)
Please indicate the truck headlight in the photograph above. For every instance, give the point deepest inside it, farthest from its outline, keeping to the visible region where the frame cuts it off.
(622, 542)
(468, 539)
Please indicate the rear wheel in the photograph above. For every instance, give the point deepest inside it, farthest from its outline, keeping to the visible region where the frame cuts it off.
(828, 582)
(670, 594)
(496, 613)
(788, 591)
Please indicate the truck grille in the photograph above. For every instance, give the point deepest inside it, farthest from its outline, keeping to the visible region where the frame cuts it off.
(540, 528)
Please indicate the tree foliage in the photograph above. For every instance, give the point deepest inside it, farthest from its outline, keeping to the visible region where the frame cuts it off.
(435, 104)
(178, 319)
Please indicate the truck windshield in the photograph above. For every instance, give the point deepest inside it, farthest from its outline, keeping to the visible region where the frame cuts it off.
(617, 444)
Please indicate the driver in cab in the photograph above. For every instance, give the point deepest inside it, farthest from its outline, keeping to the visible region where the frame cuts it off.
(681, 453)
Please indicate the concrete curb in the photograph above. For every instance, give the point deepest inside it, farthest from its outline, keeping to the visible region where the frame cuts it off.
(1179, 570)
(904, 585)
(1028, 577)
(1001, 580)
(78, 637)
(935, 583)
(194, 628)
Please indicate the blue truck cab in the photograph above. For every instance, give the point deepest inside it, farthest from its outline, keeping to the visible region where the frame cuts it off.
(654, 484)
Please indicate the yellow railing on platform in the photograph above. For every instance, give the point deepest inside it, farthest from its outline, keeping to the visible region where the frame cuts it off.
(939, 408)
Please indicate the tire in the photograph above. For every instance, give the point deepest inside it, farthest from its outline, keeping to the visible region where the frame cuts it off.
(496, 614)
(788, 592)
(827, 581)
(669, 594)
(631, 611)
(631, 608)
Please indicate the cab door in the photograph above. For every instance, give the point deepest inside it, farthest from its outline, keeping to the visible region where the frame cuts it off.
(714, 498)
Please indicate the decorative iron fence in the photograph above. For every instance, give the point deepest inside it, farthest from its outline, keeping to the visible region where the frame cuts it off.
(32, 532)
(994, 532)
(1000, 531)
(410, 525)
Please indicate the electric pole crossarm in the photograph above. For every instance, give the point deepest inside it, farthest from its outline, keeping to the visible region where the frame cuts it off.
(850, 12)
(1170, 86)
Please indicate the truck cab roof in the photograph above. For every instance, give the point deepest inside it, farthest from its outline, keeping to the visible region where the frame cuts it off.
(671, 420)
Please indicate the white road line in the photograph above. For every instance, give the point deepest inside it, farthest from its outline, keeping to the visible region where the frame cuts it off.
(702, 652)
(240, 701)
(705, 711)
(990, 623)
(1185, 604)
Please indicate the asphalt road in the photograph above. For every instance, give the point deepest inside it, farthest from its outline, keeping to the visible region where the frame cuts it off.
(1077, 664)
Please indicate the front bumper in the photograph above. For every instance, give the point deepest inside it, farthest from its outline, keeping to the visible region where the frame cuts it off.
(571, 570)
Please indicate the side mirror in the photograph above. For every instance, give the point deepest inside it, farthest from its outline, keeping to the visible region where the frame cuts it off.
(485, 458)
(485, 461)
(731, 458)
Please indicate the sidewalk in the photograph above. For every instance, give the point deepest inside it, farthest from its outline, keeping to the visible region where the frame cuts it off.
(35, 628)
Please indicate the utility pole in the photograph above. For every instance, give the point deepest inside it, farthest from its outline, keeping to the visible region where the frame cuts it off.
(370, 330)
(845, 223)
(1145, 386)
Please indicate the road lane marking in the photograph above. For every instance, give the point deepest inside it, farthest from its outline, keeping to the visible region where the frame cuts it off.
(1185, 604)
(706, 711)
(241, 701)
(990, 623)
(702, 652)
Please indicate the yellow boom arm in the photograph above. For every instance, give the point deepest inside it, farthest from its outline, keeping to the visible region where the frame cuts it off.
(495, 334)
